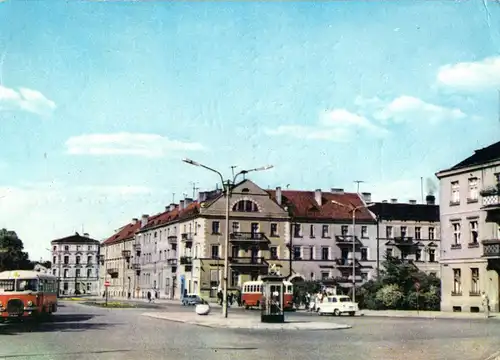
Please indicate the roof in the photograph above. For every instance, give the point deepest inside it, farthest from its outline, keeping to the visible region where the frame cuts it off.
(126, 232)
(480, 156)
(406, 212)
(75, 239)
(13, 274)
(302, 204)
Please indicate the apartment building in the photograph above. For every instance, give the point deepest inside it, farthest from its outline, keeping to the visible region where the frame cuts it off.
(470, 236)
(74, 260)
(409, 231)
(117, 258)
(321, 238)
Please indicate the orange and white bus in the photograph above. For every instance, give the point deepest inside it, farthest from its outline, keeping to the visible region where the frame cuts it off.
(251, 294)
(27, 294)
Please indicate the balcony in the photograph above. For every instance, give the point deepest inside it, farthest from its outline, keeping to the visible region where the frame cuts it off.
(136, 266)
(186, 260)
(346, 263)
(491, 248)
(249, 265)
(101, 259)
(172, 239)
(346, 241)
(172, 262)
(491, 203)
(137, 248)
(347, 279)
(246, 239)
(112, 271)
(187, 237)
(126, 254)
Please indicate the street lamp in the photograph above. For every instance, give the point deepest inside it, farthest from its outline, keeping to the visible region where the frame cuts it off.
(353, 210)
(227, 186)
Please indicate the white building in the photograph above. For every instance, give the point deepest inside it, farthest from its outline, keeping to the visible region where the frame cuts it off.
(75, 263)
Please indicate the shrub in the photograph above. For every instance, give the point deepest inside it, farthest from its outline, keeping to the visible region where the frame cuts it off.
(390, 296)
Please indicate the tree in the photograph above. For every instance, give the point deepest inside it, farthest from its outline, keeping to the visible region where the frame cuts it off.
(12, 256)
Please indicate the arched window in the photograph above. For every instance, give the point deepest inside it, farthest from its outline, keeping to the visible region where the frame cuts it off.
(245, 206)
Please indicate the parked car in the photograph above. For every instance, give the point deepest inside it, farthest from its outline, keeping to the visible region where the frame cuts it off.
(337, 305)
(191, 300)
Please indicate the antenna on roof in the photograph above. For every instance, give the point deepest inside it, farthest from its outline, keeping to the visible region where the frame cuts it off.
(287, 186)
(358, 182)
(232, 169)
(194, 188)
(173, 198)
(185, 195)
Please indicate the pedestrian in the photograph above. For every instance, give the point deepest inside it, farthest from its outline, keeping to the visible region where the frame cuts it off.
(486, 304)
(149, 296)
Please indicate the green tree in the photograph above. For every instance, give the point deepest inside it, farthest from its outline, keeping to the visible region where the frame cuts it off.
(390, 296)
(12, 254)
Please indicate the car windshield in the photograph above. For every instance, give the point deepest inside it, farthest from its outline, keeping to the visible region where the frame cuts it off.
(344, 299)
(27, 285)
(6, 285)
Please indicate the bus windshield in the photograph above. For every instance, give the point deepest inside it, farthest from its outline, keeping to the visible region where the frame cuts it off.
(6, 285)
(27, 285)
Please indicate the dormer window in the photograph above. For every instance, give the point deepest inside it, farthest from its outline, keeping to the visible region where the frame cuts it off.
(245, 206)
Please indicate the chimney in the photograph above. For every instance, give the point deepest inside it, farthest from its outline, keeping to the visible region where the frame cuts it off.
(317, 196)
(144, 220)
(134, 221)
(202, 196)
(181, 206)
(384, 201)
(337, 190)
(171, 207)
(187, 201)
(394, 201)
(86, 235)
(430, 200)
(367, 197)
(279, 198)
(413, 202)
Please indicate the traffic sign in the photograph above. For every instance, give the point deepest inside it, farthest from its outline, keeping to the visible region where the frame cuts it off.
(106, 283)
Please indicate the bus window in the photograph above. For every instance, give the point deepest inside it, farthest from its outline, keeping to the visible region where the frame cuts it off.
(27, 285)
(6, 285)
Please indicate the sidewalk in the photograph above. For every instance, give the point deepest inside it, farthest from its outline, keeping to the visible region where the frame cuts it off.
(242, 321)
(427, 314)
(140, 300)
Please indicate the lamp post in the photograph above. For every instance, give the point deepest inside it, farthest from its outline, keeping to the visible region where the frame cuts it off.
(353, 211)
(227, 186)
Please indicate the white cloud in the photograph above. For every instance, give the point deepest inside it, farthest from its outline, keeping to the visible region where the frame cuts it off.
(337, 125)
(45, 211)
(123, 143)
(26, 100)
(478, 75)
(411, 109)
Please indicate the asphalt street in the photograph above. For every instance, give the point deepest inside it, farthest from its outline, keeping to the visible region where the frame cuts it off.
(81, 332)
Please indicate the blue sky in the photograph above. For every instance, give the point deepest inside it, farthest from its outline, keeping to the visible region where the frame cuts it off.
(99, 101)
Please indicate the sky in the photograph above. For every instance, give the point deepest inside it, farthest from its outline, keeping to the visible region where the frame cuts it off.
(100, 101)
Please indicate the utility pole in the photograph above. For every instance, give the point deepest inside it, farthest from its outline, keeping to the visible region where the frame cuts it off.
(194, 188)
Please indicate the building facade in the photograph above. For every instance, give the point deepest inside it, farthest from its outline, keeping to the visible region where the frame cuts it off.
(470, 218)
(75, 263)
(409, 231)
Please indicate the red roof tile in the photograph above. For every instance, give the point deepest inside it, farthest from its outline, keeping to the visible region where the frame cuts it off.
(127, 232)
(302, 204)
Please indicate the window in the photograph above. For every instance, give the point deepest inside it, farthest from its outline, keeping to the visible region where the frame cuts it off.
(473, 232)
(54, 248)
(431, 233)
(474, 272)
(388, 253)
(388, 232)
(77, 273)
(418, 255)
(344, 230)
(89, 273)
(364, 254)
(324, 231)
(89, 248)
(78, 248)
(457, 282)
(254, 228)
(473, 189)
(66, 272)
(417, 232)
(325, 275)
(311, 230)
(89, 286)
(65, 286)
(455, 192)
(404, 230)
(273, 250)
(296, 252)
(54, 272)
(245, 206)
(77, 260)
(236, 227)
(7, 285)
(324, 253)
(296, 230)
(274, 229)
(364, 231)
(311, 252)
(54, 260)
(234, 278)
(432, 255)
(66, 248)
(89, 260)
(215, 227)
(215, 251)
(66, 260)
(456, 233)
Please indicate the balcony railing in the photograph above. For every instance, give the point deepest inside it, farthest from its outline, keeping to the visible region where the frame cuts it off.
(137, 247)
(187, 236)
(346, 263)
(112, 271)
(248, 261)
(126, 253)
(491, 248)
(136, 266)
(257, 238)
(186, 260)
(403, 241)
(491, 196)
(172, 238)
(343, 240)
(172, 262)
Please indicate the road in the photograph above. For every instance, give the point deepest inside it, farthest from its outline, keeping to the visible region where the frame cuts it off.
(81, 332)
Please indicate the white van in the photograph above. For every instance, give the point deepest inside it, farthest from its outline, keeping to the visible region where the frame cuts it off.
(337, 305)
